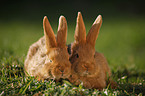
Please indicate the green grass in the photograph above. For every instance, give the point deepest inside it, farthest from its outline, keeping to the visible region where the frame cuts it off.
(120, 39)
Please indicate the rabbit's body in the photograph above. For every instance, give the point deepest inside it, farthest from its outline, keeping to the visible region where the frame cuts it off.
(36, 57)
(96, 79)
(48, 57)
(88, 66)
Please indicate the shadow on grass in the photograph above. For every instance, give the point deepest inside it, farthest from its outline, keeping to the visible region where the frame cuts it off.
(130, 82)
(130, 88)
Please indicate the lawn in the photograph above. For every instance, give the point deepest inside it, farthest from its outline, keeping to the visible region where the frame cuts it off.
(121, 40)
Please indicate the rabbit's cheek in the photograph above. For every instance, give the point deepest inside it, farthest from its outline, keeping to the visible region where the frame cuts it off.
(85, 69)
(66, 74)
(69, 73)
(50, 74)
(56, 73)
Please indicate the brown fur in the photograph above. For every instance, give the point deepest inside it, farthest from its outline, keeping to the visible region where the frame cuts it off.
(48, 57)
(88, 66)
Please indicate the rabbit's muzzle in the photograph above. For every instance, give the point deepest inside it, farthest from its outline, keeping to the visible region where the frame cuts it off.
(86, 69)
(61, 71)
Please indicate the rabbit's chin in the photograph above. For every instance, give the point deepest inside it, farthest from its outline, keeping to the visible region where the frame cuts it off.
(59, 76)
(88, 74)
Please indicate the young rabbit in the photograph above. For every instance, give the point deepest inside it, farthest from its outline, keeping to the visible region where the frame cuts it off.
(88, 66)
(48, 57)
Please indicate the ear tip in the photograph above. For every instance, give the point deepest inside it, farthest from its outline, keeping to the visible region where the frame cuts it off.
(79, 14)
(79, 17)
(45, 17)
(62, 20)
(62, 17)
(100, 16)
(98, 19)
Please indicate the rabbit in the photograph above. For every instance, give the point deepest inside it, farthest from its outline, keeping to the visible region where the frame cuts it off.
(48, 57)
(88, 66)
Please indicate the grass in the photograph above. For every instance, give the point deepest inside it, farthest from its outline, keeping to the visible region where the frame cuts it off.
(120, 39)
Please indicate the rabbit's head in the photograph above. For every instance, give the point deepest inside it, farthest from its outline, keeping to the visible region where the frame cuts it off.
(83, 55)
(57, 64)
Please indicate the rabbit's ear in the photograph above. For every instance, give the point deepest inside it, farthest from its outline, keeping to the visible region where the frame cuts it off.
(62, 32)
(49, 34)
(80, 31)
(94, 31)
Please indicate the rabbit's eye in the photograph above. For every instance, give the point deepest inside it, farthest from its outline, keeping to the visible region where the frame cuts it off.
(77, 56)
(50, 61)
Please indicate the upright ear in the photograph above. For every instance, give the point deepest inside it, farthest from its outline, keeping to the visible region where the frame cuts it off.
(62, 32)
(49, 34)
(94, 31)
(80, 31)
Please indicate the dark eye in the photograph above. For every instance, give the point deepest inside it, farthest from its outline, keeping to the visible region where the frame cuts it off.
(77, 56)
(94, 55)
(50, 61)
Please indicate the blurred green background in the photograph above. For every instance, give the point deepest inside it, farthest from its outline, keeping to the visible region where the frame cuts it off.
(121, 38)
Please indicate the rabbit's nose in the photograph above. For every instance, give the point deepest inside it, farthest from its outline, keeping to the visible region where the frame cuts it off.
(61, 70)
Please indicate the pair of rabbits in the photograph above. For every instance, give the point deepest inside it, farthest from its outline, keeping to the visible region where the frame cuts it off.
(48, 58)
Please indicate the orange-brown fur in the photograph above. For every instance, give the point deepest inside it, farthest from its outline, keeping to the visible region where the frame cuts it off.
(88, 66)
(48, 57)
